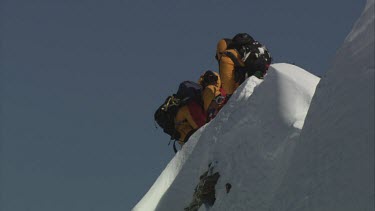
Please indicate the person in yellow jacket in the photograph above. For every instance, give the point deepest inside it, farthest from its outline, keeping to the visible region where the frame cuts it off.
(188, 119)
(229, 59)
(213, 95)
(221, 46)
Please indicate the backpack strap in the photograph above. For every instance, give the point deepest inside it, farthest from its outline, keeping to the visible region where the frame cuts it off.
(239, 69)
(233, 58)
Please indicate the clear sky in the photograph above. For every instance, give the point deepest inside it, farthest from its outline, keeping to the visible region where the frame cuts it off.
(80, 81)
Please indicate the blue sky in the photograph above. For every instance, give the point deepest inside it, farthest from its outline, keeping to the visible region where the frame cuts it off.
(80, 81)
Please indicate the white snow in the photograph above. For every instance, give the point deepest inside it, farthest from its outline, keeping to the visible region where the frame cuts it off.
(250, 139)
(276, 157)
(333, 164)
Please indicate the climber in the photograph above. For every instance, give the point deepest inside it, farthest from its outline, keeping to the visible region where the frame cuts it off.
(213, 95)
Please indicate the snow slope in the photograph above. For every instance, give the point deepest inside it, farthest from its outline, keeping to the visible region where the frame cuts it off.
(251, 139)
(272, 159)
(333, 164)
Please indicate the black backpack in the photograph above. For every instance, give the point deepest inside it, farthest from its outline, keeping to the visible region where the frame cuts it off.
(189, 90)
(166, 113)
(256, 58)
(237, 41)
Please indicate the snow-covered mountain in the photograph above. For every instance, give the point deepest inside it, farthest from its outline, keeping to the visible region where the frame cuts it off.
(251, 140)
(280, 153)
(333, 164)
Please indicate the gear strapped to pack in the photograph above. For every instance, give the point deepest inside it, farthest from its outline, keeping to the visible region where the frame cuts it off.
(256, 61)
(189, 93)
(164, 116)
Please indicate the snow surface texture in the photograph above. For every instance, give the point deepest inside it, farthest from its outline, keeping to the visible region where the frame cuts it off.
(260, 148)
(251, 139)
(333, 164)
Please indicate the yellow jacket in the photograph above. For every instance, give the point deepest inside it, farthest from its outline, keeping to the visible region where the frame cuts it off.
(212, 96)
(210, 92)
(184, 123)
(226, 67)
(220, 48)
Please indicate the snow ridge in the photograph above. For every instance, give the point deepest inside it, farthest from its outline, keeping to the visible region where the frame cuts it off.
(282, 149)
(333, 164)
(251, 139)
